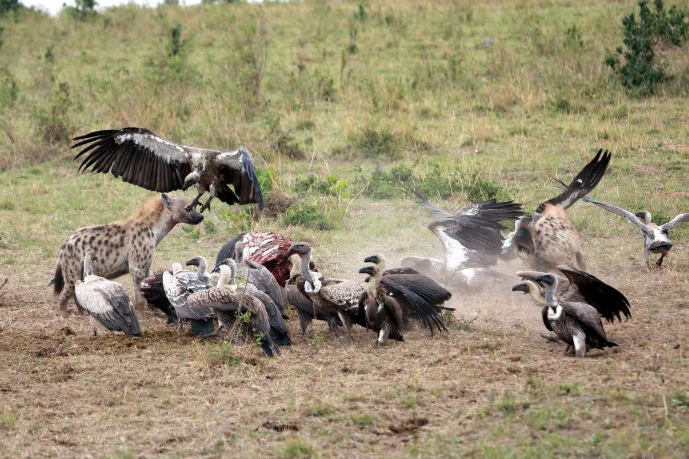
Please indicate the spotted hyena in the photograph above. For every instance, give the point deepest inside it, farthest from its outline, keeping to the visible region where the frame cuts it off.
(126, 246)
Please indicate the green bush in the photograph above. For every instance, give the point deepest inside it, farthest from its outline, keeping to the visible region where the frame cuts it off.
(314, 216)
(639, 69)
(55, 123)
(440, 182)
(377, 142)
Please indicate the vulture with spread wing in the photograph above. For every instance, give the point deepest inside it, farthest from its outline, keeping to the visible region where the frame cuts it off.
(547, 237)
(471, 239)
(577, 286)
(577, 323)
(656, 238)
(142, 158)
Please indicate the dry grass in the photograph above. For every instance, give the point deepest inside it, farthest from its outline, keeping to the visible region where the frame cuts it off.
(526, 110)
(492, 387)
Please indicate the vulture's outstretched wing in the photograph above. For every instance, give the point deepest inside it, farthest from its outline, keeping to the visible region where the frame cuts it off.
(237, 168)
(631, 218)
(583, 183)
(678, 219)
(608, 301)
(429, 313)
(137, 155)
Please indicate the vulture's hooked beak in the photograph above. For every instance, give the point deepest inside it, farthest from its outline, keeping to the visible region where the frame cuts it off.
(371, 259)
(193, 262)
(367, 270)
(523, 287)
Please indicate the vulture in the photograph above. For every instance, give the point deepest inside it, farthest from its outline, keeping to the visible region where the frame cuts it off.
(278, 327)
(153, 291)
(229, 303)
(420, 297)
(105, 301)
(471, 241)
(578, 286)
(306, 310)
(547, 237)
(656, 238)
(576, 323)
(266, 248)
(178, 285)
(334, 296)
(381, 311)
(142, 158)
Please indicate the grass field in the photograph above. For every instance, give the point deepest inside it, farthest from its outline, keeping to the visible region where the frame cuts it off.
(337, 100)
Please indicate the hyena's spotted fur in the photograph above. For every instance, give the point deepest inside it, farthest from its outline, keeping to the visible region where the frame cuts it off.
(556, 240)
(126, 246)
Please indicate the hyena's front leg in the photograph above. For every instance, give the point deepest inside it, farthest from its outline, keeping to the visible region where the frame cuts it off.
(138, 274)
(66, 294)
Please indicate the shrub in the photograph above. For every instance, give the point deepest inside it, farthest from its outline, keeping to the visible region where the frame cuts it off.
(8, 89)
(439, 182)
(314, 216)
(55, 123)
(374, 142)
(9, 5)
(640, 70)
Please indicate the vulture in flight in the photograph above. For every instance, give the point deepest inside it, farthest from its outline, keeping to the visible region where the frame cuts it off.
(656, 238)
(142, 158)
(547, 237)
(471, 240)
(577, 323)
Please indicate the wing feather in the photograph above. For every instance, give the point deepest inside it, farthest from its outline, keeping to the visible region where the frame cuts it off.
(631, 218)
(678, 219)
(127, 152)
(585, 181)
(238, 170)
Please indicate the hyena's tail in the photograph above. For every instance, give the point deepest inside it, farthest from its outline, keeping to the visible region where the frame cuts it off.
(58, 281)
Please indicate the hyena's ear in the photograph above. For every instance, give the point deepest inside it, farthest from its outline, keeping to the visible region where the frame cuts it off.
(165, 200)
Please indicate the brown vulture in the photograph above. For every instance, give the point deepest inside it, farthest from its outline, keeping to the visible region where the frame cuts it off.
(334, 296)
(142, 158)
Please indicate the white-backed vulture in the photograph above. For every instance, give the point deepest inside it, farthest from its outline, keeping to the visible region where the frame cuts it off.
(227, 303)
(576, 323)
(382, 312)
(142, 158)
(579, 286)
(335, 296)
(547, 237)
(106, 302)
(306, 310)
(419, 296)
(656, 238)
(471, 240)
(178, 285)
(278, 328)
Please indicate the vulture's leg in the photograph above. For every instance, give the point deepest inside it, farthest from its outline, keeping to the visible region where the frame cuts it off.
(660, 260)
(195, 202)
(207, 205)
(569, 346)
(383, 335)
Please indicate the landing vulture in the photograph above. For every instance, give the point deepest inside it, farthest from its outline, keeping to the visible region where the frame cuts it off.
(656, 238)
(142, 158)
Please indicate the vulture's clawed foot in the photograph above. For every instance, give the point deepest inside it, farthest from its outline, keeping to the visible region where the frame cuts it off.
(659, 263)
(206, 206)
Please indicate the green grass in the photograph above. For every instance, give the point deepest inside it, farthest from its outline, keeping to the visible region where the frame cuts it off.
(339, 102)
